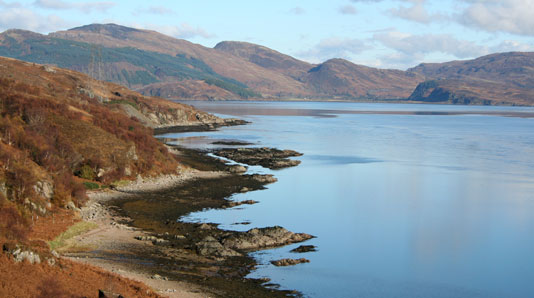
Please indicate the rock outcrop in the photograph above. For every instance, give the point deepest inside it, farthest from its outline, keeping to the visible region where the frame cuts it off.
(289, 262)
(266, 157)
(259, 238)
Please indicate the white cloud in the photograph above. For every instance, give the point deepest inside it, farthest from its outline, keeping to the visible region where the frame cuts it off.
(157, 10)
(347, 9)
(21, 18)
(334, 48)
(512, 46)
(409, 50)
(511, 16)
(417, 13)
(430, 43)
(183, 31)
(10, 4)
(86, 7)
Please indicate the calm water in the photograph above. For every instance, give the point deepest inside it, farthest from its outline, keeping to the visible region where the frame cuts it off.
(402, 205)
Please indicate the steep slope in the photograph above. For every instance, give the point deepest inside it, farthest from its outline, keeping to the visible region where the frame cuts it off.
(59, 127)
(267, 82)
(343, 79)
(504, 78)
(266, 58)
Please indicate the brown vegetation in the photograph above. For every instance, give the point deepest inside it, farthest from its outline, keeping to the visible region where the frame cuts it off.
(58, 130)
(64, 279)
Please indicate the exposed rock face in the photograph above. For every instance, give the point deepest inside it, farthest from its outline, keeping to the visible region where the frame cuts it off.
(45, 189)
(209, 246)
(255, 239)
(267, 157)
(20, 255)
(289, 262)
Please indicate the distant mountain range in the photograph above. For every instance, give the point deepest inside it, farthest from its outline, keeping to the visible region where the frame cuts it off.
(158, 65)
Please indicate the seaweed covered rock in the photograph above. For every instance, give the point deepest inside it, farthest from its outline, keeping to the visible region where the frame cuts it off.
(259, 238)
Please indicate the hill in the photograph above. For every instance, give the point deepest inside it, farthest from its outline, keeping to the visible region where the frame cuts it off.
(62, 131)
(249, 74)
(340, 78)
(504, 78)
(159, 65)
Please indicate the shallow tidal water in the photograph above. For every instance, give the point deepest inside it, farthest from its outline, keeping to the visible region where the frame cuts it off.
(402, 205)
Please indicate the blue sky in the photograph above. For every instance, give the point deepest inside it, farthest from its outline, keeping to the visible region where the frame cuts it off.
(379, 33)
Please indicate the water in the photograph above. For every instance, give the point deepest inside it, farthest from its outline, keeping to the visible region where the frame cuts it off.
(402, 205)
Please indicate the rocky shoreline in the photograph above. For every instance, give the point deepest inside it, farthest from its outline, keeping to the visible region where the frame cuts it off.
(174, 256)
(201, 126)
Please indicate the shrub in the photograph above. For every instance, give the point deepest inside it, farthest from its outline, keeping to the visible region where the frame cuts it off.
(86, 172)
(91, 185)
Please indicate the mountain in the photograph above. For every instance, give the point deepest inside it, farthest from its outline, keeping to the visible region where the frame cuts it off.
(504, 78)
(159, 65)
(249, 74)
(266, 58)
(131, 67)
(340, 78)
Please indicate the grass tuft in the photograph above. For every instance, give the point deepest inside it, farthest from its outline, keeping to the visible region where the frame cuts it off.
(75, 230)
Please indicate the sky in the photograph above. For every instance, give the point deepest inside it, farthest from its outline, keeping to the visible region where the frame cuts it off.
(379, 33)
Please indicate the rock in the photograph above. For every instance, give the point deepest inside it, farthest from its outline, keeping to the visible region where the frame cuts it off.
(48, 68)
(20, 255)
(160, 241)
(45, 189)
(289, 262)
(55, 254)
(262, 238)
(304, 248)
(244, 189)
(271, 158)
(159, 277)
(246, 202)
(71, 206)
(209, 246)
(264, 178)
(237, 169)
(51, 261)
(153, 239)
(205, 226)
(108, 294)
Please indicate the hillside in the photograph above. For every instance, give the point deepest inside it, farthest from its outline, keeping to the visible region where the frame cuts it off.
(61, 132)
(266, 58)
(342, 79)
(128, 66)
(158, 65)
(506, 78)
(249, 74)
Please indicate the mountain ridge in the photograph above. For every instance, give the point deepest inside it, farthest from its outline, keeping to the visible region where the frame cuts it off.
(159, 65)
